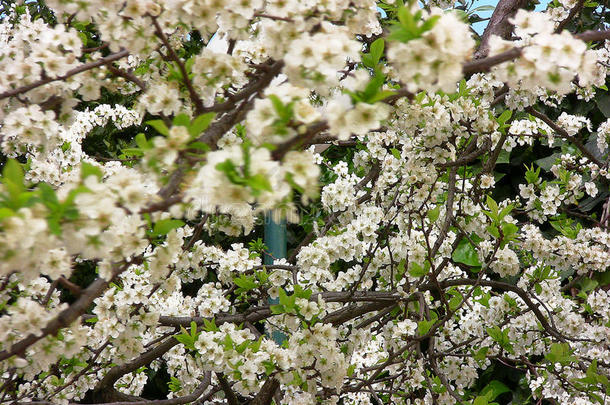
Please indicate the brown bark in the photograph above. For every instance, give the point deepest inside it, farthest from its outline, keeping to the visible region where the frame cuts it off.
(499, 24)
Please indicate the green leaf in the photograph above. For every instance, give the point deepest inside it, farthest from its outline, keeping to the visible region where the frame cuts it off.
(259, 183)
(210, 326)
(495, 333)
(455, 302)
(503, 157)
(182, 120)
(588, 284)
(544, 163)
(505, 211)
(395, 153)
(501, 337)
(423, 327)
(380, 96)
(284, 111)
(368, 60)
(230, 170)
(142, 142)
(204, 147)
(480, 400)
(48, 196)
(400, 34)
(560, 353)
(132, 152)
(160, 126)
(505, 116)
(256, 345)
(174, 384)
(531, 175)
(201, 123)
(481, 354)
(13, 175)
(492, 205)
(245, 283)
(186, 339)
(162, 227)
(434, 213)
(288, 302)
(87, 169)
(376, 49)
(299, 292)
(269, 367)
(416, 270)
(6, 212)
(405, 18)
(603, 103)
(351, 369)
(494, 389)
(277, 309)
(466, 253)
(509, 230)
(482, 9)
(429, 23)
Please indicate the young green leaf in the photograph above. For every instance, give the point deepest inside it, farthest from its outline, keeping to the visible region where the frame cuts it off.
(160, 126)
(162, 227)
(201, 123)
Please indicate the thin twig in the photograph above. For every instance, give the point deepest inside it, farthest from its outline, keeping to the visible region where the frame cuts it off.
(87, 66)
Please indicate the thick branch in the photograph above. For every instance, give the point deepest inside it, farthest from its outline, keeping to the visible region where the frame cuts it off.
(499, 24)
(118, 371)
(217, 129)
(312, 131)
(129, 76)
(193, 396)
(353, 311)
(468, 157)
(265, 395)
(226, 388)
(253, 87)
(483, 65)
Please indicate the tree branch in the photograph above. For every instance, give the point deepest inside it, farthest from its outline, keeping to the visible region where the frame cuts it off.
(173, 56)
(65, 317)
(499, 24)
(253, 87)
(117, 372)
(573, 11)
(226, 388)
(265, 395)
(218, 128)
(484, 64)
(87, 66)
(193, 396)
(564, 134)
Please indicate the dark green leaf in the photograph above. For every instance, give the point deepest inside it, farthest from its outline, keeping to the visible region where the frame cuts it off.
(466, 253)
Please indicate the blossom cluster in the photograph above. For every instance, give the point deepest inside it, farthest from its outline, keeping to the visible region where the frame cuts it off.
(415, 267)
(548, 59)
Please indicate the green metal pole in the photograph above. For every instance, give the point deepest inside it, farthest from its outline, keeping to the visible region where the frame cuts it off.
(275, 240)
